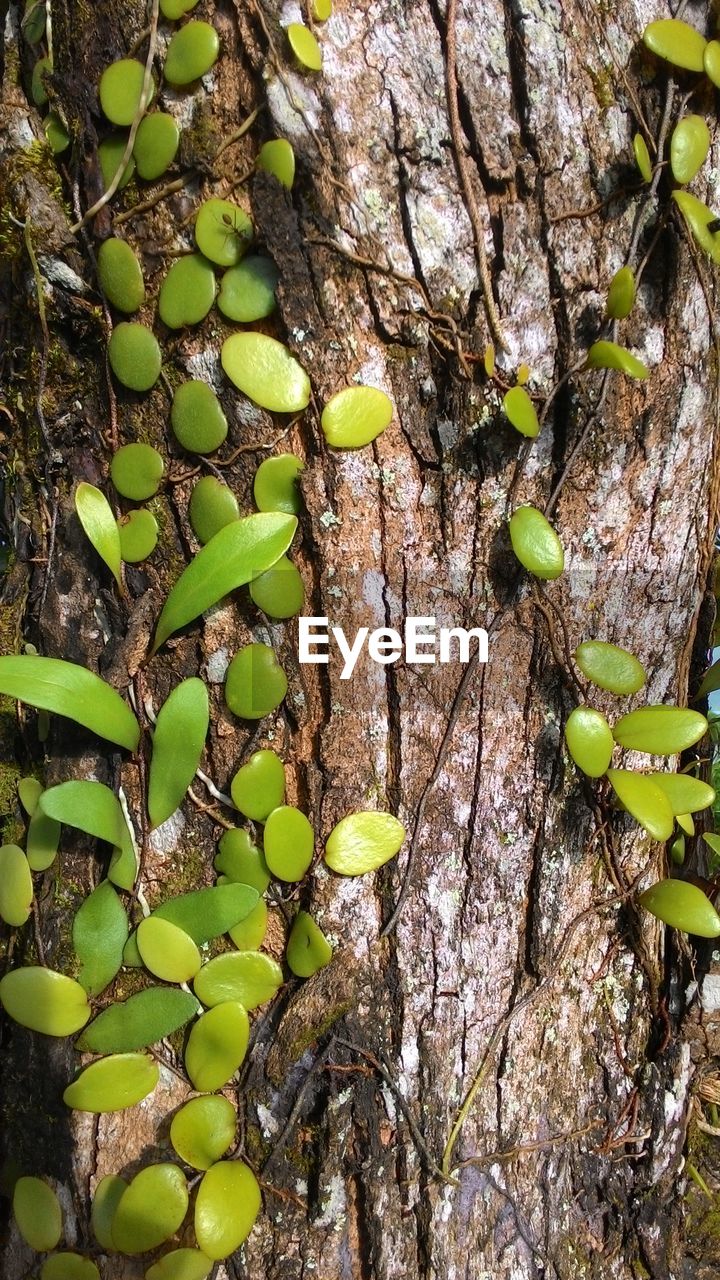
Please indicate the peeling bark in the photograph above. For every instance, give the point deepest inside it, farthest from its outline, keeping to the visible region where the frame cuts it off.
(510, 942)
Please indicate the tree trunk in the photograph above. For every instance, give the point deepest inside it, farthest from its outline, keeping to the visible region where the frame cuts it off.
(502, 950)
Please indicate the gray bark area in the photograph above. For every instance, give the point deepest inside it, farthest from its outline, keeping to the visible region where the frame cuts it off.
(510, 850)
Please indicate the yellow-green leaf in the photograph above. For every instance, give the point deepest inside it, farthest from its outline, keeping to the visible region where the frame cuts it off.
(642, 157)
(686, 794)
(263, 369)
(700, 219)
(205, 914)
(608, 355)
(228, 1202)
(167, 951)
(181, 1264)
(521, 412)
(112, 1084)
(249, 977)
(178, 741)
(68, 1266)
(689, 147)
(237, 554)
(677, 42)
(621, 294)
(151, 1210)
(70, 690)
(217, 1045)
(44, 1000)
(683, 906)
(589, 741)
(96, 517)
(16, 886)
(308, 950)
(660, 730)
(610, 667)
(106, 1199)
(37, 1213)
(363, 842)
(644, 801)
(99, 933)
(202, 1130)
(95, 809)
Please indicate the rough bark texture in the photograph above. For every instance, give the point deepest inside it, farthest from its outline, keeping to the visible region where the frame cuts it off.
(512, 858)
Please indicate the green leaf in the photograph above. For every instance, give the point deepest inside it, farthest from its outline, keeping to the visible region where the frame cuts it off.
(685, 793)
(112, 1084)
(250, 977)
(96, 517)
(43, 838)
(94, 808)
(37, 1213)
(521, 412)
(208, 913)
(644, 800)
(216, 1046)
(167, 951)
(16, 886)
(683, 906)
(589, 741)
(711, 680)
(99, 933)
(610, 667)
(363, 842)
(236, 555)
(68, 1266)
(308, 950)
(44, 1000)
(699, 219)
(203, 1129)
(142, 1020)
(178, 741)
(70, 690)
(660, 730)
(151, 1210)
(181, 1264)
(642, 157)
(228, 1202)
(608, 355)
(677, 42)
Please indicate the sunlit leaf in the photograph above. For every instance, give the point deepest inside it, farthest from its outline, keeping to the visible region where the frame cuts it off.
(142, 1020)
(644, 800)
(683, 906)
(307, 947)
(685, 793)
(203, 1129)
(16, 886)
(94, 808)
(660, 730)
(181, 1264)
(217, 1045)
(100, 930)
(96, 517)
(44, 1000)
(228, 1202)
(113, 1083)
(167, 951)
(72, 691)
(178, 741)
(236, 555)
(207, 913)
(363, 842)
(250, 977)
(152, 1208)
(608, 355)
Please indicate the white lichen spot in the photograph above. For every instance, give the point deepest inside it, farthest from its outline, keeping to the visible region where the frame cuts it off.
(329, 520)
(166, 837)
(334, 1204)
(217, 665)
(268, 1123)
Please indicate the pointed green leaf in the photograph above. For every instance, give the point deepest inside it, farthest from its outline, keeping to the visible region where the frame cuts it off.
(683, 906)
(235, 555)
(659, 730)
(94, 808)
(72, 691)
(178, 741)
(96, 517)
(644, 800)
(608, 355)
(208, 913)
(113, 1083)
(142, 1020)
(99, 933)
(686, 794)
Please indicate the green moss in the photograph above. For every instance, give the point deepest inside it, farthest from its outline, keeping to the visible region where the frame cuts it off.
(310, 1035)
(603, 86)
(257, 1149)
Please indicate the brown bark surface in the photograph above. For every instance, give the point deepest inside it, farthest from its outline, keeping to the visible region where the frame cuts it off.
(511, 947)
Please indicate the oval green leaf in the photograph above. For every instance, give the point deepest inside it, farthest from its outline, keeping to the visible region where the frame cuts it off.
(112, 1084)
(99, 934)
(278, 158)
(110, 153)
(247, 291)
(223, 232)
(683, 906)
(356, 416)
(203, 1130)
(249, 977)
(660, 730)
(134, 356)
(138, 1022)
(167, 951)
(610, 667)
(156, 143)
(217, 1045)
(265, 371)
(621, 294)
(136, 471)
(536, 543)
(178, 742)
(644, 801)
(16, 886)
(249, 934)
(138, 535)
(44, 1000)
(689, 147)
(677, 42)
(70, 690)
(289, 843)
(305, 46)
(589, 741)
(108, 1193)
(642, 157)
(212, 505)
(151, 1210)
(228, 1202)
(120, 90)
(255, 683)
(43, 838)
(236, 555)
(197, 418)
(181, 1264)
(711, 62)
(701, 221)
(275, 485)
(69, 1266)
(96, 517)
(187, 292)
(521, 412)
(120, 275)
(191, 53)
(259, 785)
(363, 842)
(241, 860)
(37, 1214)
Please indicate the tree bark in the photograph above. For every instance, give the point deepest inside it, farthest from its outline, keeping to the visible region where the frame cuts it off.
(515, 949)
